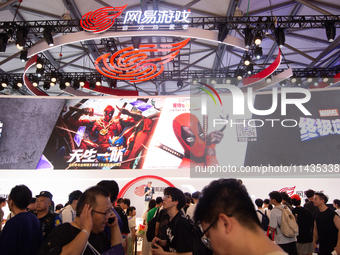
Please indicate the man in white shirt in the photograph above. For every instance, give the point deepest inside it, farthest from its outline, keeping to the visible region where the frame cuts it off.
(68, 214)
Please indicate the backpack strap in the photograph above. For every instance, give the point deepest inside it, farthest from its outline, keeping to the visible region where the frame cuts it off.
(260, 212)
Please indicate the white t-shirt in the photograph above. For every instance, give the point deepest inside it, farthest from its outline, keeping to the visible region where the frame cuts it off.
(68, 214)
(275, 220)
(337, 211)
(259, 215)
(191, 211)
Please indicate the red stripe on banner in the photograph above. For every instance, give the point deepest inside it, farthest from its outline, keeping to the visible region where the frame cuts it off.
(337, 78)
(113, 92)
(321, 85)
(27, 82)
(265, 73)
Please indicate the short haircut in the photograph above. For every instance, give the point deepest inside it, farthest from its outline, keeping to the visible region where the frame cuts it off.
(90, 197)
(126, 201)
(159, 200)
(337, 202)
(276, 195)
(296, 202)
(130, 209)
(2, 200)
(286, 198)
(197, 195)
(58, 207)
(259, 202)
(112, 186)
(266, 201)
(74, 195)
(152, 204)
(229, 197)
(120, 200)
(187, 200)
(322, 196)
(309, 193)
(176, 195)
(21, 195)
(33, 200)
(188, 194)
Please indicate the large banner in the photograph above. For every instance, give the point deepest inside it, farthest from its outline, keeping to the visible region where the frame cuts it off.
(294, 133)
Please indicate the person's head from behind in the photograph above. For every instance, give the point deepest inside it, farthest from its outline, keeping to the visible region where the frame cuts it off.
(296, 200)
(336, 203)
(125, 203)
(275, 197)
(19, 197)
(112, 186)
(131, 211)
(196, 196)
(159, 201)
(73, 198)
(266, 203)
(310, 193)
(286, 198)
(226, 207)
(259, 202)
(2, 202)
(152, 204)
(98, 198)
(320, 199)
(43, 201)
(173, 197)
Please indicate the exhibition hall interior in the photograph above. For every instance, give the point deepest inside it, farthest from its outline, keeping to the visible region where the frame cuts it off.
(177, 93)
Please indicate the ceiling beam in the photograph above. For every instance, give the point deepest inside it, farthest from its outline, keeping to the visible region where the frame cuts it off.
(270, 8)
(307, 38)
(35, 11)
(327, 5)
(4, 5)
(193, 10)
(199, 60)
(314, 7)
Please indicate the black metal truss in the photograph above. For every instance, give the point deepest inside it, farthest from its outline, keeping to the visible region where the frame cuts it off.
(209, 23)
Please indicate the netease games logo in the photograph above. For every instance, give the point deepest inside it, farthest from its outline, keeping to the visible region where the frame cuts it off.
(239, 100)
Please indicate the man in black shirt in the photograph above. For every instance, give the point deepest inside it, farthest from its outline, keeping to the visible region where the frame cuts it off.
(179, 237)
(305, 222)
(326, 227)
(47, 220)
(310, 204)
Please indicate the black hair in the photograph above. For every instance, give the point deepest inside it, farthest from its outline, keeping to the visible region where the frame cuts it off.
(286, 198)
(187, 200)
(309, 193)
(322, 196)
(2, 200)
(259, 202)
(159, 200)
(21, 195)
(112, 186)
(176, 195)
(130, 209)
(33, 200)
(266, 201)
(152, 204)
(337, 202)
(270, 207)
(90, 197)
(120, 200)
(74, 195)
(197, 195)
(58, 207)
(296, 202)
(188, 194)
(229, 197)
(126, 201)
(276, 195)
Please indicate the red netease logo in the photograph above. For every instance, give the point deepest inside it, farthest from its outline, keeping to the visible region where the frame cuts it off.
(135, 65)
(101, 20)
(288, 190)
(139, 191)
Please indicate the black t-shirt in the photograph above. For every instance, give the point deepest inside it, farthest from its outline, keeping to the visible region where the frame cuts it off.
(47, 223)
(124, 218)
(163, 219)
(179, 237)
(327, 231)
(65, 233)
(305, 222)
(311, 207)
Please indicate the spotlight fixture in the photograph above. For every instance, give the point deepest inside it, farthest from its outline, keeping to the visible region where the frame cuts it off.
(315, 81)
(4, 83)
(39, 64)
(195, 81)
(248, 37)
(258, 38)
(113, 84)
(68, 81)
(35, 81)
(239, 74)
(293, 79)
(136, 40)
(3, 42)
(298, 81)
(213, 81)
(98, 81)
(247, 60)
(250, 69)
(82, 81)
(283, 83)
(309, 79)
(40, 72)
(330, 81)
(325, 79)
(46, 85)
(62, 86)
(280, 37)
(21, 35)
(52, 84)
(48, 36)
(330, 31)
(269, 79)
(92, 84)
(258, 52)
(19, 83)
(23, 56)
(54, 77)
(76, 84)
(228, 79)
(179, 83)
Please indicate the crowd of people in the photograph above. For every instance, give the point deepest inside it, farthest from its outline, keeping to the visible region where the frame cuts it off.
(222, 219)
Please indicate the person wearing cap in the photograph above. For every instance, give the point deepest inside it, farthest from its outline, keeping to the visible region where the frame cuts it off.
(47, 220)
(69, 212)
(304, 219)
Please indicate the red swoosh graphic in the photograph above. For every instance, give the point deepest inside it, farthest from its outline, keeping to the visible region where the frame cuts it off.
(100, 20)
(136, 65)
(211, 88)
(264, 73)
